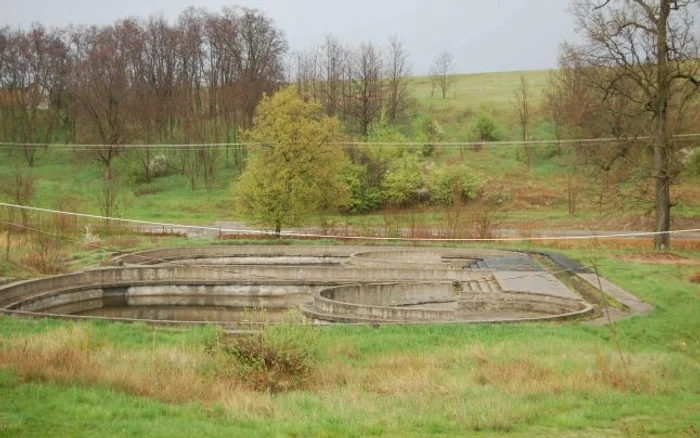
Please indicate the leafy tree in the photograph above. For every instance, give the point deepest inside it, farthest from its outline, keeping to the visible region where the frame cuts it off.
(294, 171)
(403, 180)
(364, 196)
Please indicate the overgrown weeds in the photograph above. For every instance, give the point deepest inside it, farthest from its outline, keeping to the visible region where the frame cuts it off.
(275, 359)
(73, 355)
(46, 254)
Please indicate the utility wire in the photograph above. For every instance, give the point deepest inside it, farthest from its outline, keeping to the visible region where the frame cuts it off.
(332, 236)
(358, 144)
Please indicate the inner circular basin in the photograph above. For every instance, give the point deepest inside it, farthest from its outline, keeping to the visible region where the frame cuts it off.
(443, 301)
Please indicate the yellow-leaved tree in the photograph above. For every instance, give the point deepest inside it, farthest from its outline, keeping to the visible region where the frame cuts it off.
(294, 169)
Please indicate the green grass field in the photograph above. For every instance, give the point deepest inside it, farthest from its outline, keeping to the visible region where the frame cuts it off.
(564, 379)
(470, 93)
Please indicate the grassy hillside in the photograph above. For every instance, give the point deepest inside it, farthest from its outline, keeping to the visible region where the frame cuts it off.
(470, 93)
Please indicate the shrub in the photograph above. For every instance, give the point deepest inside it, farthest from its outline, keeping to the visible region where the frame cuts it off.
(403, 181)
(496, 193)
(159, 166)
(363, 196)
(278, 358)
(451, 184)
(45, 254)
(483, 127)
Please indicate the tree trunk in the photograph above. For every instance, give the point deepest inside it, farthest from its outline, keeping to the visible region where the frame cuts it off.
(662, 180)
(107, 170)
(662, 242)
(7, 245)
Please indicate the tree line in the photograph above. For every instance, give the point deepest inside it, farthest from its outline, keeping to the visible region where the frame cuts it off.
(196, 80)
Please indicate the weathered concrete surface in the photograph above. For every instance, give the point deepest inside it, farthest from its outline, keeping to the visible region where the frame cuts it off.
(392, 294)
(489, 285)
(533, 282)
(417, 302)
(635, 305)
(293, 260)
(24, 290)
(160, 256)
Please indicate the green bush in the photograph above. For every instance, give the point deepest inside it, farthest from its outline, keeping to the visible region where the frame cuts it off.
(363, 196)
(403, 181)
(483, 127)
(278, 358)
(449, 184)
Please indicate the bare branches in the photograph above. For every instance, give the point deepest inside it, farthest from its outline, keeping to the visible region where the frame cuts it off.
(442, 72)
(601, 6)
(397, 74)
(195, 80)
(644, 58)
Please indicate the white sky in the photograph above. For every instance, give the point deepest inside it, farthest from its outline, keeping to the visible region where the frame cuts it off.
(483, 35)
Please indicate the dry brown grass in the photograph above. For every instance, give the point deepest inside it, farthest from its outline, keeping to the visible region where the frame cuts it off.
(122, 241)
(695, 278)
(534, 195)
(659, 258)
(74, 356)
(620, 243)
(71, 356)
(527, 375)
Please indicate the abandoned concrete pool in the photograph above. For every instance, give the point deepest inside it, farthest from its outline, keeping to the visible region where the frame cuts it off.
(229, 285)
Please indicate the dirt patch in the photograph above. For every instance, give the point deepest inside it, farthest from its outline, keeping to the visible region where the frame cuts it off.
(660, 258)
(695, 278)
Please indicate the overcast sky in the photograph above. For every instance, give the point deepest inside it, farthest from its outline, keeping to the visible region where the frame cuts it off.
(483, 35)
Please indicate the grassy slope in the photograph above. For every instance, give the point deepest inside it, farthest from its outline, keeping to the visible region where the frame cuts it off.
(493, 92)
(546, 379)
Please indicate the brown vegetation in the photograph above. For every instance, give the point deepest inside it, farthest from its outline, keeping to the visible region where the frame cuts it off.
(636, 73)
(72, 355)
(619, 243)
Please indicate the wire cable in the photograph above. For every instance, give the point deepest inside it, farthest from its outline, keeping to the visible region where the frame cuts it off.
(338, 237)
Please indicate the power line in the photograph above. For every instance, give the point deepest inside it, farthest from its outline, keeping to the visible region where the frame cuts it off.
(358, 144)
(337, 237)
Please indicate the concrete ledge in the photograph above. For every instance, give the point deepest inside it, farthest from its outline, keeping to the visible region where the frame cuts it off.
(385, 301)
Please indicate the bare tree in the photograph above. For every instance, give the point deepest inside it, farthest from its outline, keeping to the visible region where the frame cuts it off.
(307, 68)
(261, 68)
(100, 84)
(31, 65)
(19, 188)
(196, 80)
(643, 54)
(522, 107)
(398, 73)
(335, 60)
(442, 72)
(367, 90)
